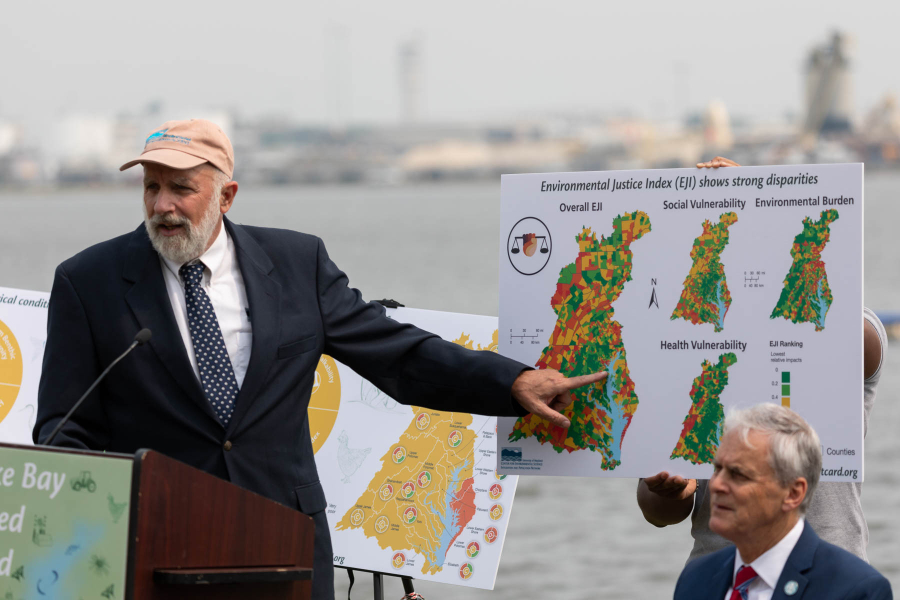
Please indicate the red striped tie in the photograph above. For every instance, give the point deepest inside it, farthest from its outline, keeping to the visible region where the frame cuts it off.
(742, 581)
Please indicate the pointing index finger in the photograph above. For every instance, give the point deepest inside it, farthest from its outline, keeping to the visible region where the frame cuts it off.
(572, 383)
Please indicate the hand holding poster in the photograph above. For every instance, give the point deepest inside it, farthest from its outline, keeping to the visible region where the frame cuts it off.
(697, 290)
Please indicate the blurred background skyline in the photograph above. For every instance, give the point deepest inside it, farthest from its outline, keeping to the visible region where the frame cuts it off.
(383, 128)
(349, 92)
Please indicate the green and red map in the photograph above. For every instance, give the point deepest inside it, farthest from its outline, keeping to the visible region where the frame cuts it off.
(706, 298)
(806, 296)
(702, 427)
(587, 340)
(682, 319)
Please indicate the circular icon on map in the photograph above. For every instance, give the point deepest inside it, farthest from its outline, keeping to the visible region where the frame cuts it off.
(496, 512)
(454, 439)
(10, 370)
(496, 491)
(466, 571)
(472, 549)
(423, 421)
(386, 492)
(529, 246)
(499, 476)
(410, 514)
(407, 490)
(356, 517)
(324, 402)
(490, 535)
(424, 479)
(398, 455)
(398, 560)
(381, 524)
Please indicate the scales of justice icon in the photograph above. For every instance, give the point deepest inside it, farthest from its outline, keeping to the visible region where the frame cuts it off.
(526, 237)
(515, 248)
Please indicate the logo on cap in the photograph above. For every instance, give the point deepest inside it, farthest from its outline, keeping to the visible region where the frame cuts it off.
(155, 136)
(162, 136)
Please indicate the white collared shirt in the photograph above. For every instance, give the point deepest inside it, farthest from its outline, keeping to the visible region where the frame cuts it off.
(224, 284)
(768, 565)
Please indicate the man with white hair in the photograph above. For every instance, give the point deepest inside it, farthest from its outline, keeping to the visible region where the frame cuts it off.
(765, 474)
(240, 316)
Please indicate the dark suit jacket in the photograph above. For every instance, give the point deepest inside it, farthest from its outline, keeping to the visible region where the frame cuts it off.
(300, 307)
(821, 570)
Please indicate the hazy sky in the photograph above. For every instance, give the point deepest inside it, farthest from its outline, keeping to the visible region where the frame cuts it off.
(481, 59)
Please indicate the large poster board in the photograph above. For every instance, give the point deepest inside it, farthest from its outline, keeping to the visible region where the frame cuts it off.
(697, 290)
(411, 491)
(23, 332)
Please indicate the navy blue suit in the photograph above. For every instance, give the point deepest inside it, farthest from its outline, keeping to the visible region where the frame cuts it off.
(821, 570)
(300, 307)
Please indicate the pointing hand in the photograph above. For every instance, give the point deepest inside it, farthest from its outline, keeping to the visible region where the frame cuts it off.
(545, 393)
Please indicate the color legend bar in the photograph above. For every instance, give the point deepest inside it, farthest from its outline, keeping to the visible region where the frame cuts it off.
(786, 388)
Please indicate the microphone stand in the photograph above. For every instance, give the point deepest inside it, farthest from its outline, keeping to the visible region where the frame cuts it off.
(142, 337)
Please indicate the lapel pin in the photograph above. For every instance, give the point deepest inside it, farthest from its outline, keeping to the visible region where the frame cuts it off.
(791, 587)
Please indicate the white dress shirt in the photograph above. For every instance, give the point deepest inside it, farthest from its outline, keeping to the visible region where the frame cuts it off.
(223, 283)
(768, 566)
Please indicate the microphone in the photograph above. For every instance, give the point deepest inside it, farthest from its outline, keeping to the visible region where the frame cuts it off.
(143, 336)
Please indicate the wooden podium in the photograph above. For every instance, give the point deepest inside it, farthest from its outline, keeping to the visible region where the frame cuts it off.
(190, 535)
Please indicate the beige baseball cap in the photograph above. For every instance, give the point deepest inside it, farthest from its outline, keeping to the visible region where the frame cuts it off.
(186, 144)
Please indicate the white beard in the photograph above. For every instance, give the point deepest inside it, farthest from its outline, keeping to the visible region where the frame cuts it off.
(192, 241)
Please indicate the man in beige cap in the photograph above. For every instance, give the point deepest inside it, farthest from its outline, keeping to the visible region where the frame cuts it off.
(191, 155)
(240, 316)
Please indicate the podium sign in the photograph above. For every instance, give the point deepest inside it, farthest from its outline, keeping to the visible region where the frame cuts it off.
(63, 523)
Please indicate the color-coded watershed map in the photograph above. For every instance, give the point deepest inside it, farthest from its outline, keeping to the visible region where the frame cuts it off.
(702, 427)
(706, 298)
(423, 496)
(587, 340)
(806, 296)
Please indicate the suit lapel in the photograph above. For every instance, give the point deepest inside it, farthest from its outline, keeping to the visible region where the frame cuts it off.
(264, 296)
(799, 561)
(723, 577)
(149, 301)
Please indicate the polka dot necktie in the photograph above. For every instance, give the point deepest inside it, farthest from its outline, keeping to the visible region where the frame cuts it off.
(216, 372)
(742, 580)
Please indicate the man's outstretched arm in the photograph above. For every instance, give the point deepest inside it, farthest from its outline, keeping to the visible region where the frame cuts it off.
(416, 367)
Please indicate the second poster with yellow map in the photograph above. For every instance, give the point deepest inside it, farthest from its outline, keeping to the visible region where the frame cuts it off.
(411, 491)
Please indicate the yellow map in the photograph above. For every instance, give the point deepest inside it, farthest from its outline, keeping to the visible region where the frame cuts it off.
(10, 369)
(423, 496)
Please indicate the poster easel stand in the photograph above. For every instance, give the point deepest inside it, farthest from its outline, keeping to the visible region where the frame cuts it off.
(378, 582)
